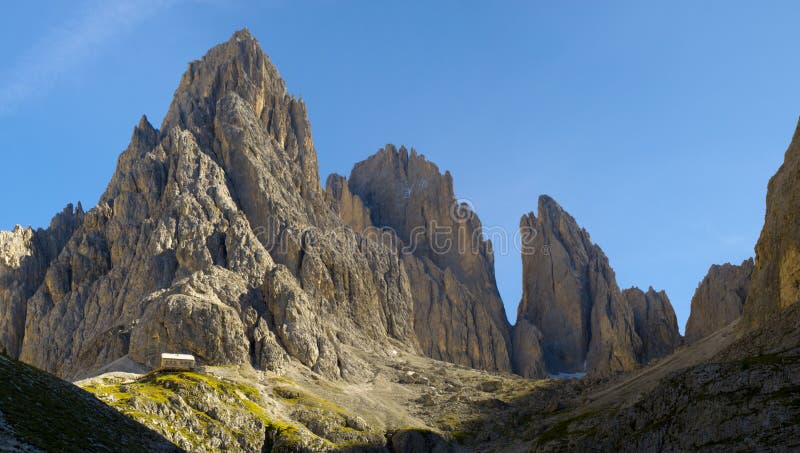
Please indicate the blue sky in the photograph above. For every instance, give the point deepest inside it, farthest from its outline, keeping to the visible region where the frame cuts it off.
(657, 126)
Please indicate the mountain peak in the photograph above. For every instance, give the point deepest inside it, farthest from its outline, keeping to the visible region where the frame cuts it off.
(546, 203)
(239, 70)
(238, 65)
(243, 35)
(571, 295)
(549, 211)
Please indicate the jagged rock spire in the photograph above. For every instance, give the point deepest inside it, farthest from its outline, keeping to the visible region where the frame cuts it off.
(570, 293)
(25, 255)
(458, 314)
(239, 67)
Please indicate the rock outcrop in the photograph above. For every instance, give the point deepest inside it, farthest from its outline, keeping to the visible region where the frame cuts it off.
(655, 323)
(719, 299)
(775, 283)
(570, 293)
(214, 237)
(25, 255)
(349, 206)
(743, 406)
(458, 314)
(527, 356)
(205, 413)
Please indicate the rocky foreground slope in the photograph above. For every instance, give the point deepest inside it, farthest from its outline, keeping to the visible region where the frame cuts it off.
(40, 413)
(407, 404)
(744, 398)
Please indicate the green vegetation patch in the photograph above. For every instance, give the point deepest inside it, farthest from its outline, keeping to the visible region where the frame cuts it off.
(186, 393)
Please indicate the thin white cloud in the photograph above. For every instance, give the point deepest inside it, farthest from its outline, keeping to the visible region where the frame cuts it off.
(71, 44)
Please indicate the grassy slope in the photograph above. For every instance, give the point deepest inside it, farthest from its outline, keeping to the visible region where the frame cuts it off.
(203, 412)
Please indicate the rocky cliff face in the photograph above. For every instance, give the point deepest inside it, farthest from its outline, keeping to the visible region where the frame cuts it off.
(458, 314)
(655, 323)
(25, 255)
(570, 293)
(719, 299)
(350, 207)
(215, 238)
(775, 283)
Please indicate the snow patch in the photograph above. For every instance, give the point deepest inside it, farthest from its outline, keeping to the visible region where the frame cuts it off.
(566, 375)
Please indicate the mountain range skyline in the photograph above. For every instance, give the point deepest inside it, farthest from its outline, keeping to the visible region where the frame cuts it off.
(563, 143)
(223, 299)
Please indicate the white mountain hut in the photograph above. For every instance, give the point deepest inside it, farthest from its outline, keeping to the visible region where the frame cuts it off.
(177, 362)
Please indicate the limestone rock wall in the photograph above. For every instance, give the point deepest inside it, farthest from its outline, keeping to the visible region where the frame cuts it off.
(458, 313)
(775, 282)
(348, 206)
(25, 255)
(215, 238)
(719, 299)
(655, 323)
(570, 294)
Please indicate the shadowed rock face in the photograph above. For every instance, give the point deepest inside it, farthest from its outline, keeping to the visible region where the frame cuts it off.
(655, 323)
(775, 283)
(570, 293)
(528, 357)
(719, 299)
(41, 413)
(215, 238)
(458, 314)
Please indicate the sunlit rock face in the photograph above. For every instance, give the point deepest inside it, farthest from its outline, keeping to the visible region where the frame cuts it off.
(25, 255)
(775, 283)
(214, 237)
